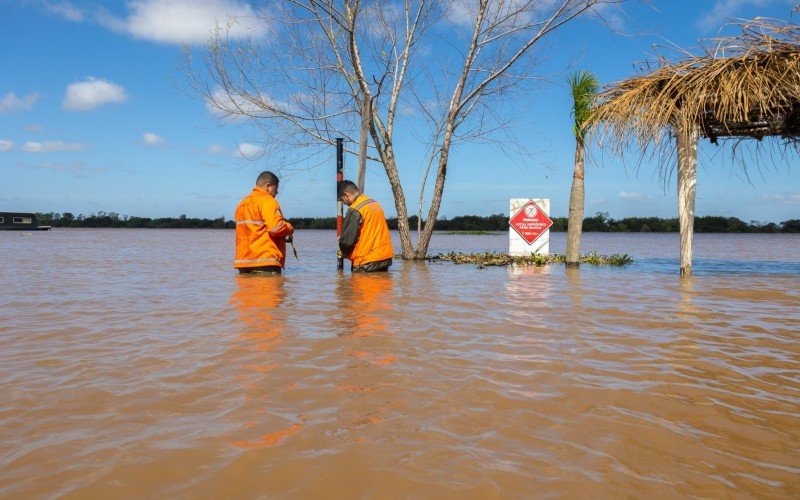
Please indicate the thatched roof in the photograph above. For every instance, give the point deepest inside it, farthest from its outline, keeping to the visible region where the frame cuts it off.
(742, 86)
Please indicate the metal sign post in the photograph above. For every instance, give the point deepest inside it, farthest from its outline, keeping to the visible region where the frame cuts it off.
(339, 178)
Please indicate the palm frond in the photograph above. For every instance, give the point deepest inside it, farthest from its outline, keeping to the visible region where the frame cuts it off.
(583, 86)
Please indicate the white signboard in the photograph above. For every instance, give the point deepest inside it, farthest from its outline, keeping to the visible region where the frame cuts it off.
(529, 226)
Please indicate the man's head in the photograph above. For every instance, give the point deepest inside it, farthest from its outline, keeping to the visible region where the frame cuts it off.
(268, 181)
(347, 192)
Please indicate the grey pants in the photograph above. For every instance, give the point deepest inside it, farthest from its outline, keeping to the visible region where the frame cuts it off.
(373, 267)
(260, 270)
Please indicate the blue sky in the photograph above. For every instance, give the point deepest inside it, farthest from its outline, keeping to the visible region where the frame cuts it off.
(93, 118)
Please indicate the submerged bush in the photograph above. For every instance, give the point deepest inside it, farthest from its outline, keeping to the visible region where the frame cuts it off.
(503, 259)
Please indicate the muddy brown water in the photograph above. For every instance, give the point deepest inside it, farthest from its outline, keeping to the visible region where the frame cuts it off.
(136, 363)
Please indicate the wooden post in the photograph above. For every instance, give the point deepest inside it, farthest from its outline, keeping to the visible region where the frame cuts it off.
(686, 140)
(339, 178)
(366, 117)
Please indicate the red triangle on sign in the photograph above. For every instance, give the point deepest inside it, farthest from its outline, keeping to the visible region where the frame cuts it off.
(530, 222)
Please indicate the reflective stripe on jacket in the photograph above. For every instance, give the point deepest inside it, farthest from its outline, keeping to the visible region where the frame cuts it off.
(373, 242)
(261, 231)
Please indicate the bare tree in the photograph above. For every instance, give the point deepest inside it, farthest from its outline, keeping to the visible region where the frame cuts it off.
(454, 63)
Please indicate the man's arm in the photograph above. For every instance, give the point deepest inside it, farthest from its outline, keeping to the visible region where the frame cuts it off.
(277, 226)
(350, 226)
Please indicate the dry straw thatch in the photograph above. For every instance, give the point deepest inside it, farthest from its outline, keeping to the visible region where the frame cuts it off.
(747, 86)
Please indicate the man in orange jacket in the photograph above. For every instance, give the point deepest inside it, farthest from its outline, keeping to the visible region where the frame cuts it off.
(365, 236)
(261, 230)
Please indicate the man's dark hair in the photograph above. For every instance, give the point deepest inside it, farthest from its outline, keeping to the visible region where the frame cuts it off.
(347, 187)
(267, 177)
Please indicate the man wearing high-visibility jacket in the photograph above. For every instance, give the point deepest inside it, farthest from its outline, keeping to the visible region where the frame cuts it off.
(261, 230)
(365, 235)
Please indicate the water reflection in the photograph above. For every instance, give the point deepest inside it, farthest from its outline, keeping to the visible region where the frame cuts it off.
(577, 294)
(434, 380)
(367, 301)
(687, 306)
(421, 296)
(575, 286)
(529, 290)
(415, 280)
(257, 300)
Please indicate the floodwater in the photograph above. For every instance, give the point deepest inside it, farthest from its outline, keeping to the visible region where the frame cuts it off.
(137, 363)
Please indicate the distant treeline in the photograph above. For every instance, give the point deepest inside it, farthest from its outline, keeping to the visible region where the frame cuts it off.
(601, 222)
(113, 219)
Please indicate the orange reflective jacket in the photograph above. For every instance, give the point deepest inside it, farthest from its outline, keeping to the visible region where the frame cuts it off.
(261, 231)
(374, 243)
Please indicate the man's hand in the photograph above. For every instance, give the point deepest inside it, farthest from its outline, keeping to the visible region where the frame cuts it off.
(289, 238)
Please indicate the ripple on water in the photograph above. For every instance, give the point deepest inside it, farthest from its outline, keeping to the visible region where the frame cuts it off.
(157, 370)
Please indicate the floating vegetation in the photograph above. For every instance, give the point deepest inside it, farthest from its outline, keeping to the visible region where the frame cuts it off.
(503, 259)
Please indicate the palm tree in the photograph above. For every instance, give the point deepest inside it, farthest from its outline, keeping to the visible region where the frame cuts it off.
(583, 86)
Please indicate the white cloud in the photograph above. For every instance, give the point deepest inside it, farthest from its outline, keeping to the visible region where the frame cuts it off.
(505, 13)
(631, 196)
(461, 13)
(79, 168)
(236, 108)
(11, 102)
(248, 151)
(724, 10)
(65, 10)
(151, 139)
(33, 127)
(215, 149)
(186, 21)
(611, 14)
(51, 146)
(784, 198)
(92, 93)
(6, 145)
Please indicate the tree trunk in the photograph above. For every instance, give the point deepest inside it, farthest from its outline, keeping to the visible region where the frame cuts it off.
(390, 165)
(686, 140)
(576, 206)
(436, 199)
(366, 116)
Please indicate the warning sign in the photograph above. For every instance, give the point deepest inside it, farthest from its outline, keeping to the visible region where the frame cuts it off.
(530, 222)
